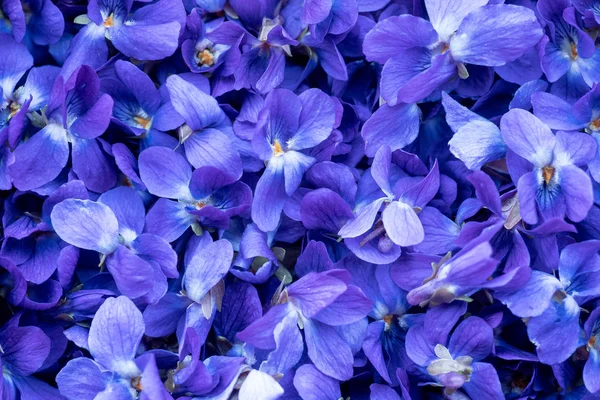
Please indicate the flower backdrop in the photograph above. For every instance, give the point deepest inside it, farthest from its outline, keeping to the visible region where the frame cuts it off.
(300, 199)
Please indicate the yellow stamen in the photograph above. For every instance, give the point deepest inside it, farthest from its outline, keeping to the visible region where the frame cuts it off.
(14, 109)
(143, 122)
(595, 125)
(574, 52)
(388, 319)
(548, 173)
(136, 383)
(277, 150)
(206, 58)
(110, 21)
(200, 204)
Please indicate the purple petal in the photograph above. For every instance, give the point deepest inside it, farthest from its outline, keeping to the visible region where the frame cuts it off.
(324, 209)
(115, 334)
(316, 119)
(326, 349)
(133, 275)
(539, 288)
(396, 127)
(199, 109)
(314, 292)
(295, 164)
(86, 224)
(168, 219)
(315, 11)
(40, 159)
(207, 266)
(24, 349)
(373, 348)
(575, 148)
(172, 182)
(349, 307)
(88, 47)
(161, 319)
(446, 17)
(15, 64)
(81, 378)
(261, 332)
(484, 383)
(92, 165)
(473, 337)
(402, 224)
(425, 190)
(556, 331)
(210, 147)
(269, 196)
(591, 372)
(147, 42)
(575, 184)
(44, 260)
(527, 136)
(311, 384)
(371, 252)
(554, 112)
(394, 35)
(128, 208)
(494, 35)
(486, 191)
(157, 249)
(95, 120)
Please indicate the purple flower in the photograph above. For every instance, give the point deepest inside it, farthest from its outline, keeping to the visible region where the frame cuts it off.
(116, 370)
(584, 114)
(39, 20)
(205, 197)
(138, 262)
(30, 240)
(139, 108)
(327, 308)
(476, 140)
(453, 361)
(21, 102)
(200, 53)
(453, 278)
(402, 197)
(569, 56)
(207, 135)
(206, 264)
(149, 33)
(289, 126)
(549, 181)
(552, 305)
(24, 351)
(77, 114)
(422, 56)
(592, 366)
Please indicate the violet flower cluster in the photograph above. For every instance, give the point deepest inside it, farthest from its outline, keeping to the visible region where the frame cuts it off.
(300, 199)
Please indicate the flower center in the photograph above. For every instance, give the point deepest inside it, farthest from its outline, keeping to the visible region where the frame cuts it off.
(592, 342)
(206, 58)
(277, 149)
(14, 108)
(388, 321)
(142, 121)
(595, 125)
(109, 21)
(548, 173)
(136, 383)
(574, 53)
